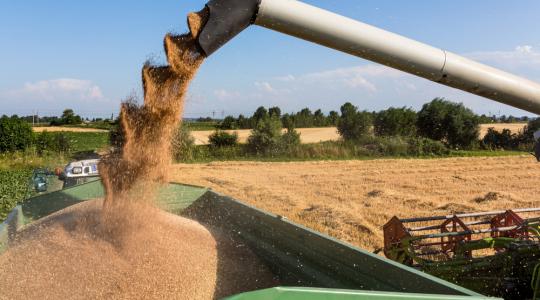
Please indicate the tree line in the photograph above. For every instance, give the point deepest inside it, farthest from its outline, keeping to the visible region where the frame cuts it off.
(441, 120)
(305, 118)
(439, 127)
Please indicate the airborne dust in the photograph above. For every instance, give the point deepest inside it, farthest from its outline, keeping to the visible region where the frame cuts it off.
(123, 246)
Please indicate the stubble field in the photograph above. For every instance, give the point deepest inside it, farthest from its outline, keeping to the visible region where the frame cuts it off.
(351, 200)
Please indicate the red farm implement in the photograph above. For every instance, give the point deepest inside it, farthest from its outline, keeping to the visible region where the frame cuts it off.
(497, 252)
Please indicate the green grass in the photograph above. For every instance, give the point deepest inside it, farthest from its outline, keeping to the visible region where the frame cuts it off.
(200, 126)
(13, 189)
(87, 141)
(323, 151)
(486, 153)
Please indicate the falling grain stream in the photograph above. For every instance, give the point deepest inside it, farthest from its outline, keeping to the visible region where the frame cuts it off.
(123, 246)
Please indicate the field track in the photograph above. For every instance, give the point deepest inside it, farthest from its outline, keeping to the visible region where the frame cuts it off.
(351, 200)
(315, 135)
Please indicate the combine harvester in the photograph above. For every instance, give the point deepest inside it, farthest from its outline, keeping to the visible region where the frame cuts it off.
(496, 253)
(309, 264)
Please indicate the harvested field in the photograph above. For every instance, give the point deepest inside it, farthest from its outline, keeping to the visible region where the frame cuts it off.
(66, 129)
(514, 127)
(323, 134)
(307, 135)
(351, 200)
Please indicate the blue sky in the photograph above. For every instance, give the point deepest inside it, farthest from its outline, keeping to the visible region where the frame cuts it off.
(87, 55)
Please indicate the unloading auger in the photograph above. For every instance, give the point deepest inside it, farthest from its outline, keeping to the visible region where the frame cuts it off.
(224, 19)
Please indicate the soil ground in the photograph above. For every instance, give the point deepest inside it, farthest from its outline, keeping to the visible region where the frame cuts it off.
(351, 200)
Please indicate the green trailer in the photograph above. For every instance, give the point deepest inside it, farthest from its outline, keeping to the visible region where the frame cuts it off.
(308, 264)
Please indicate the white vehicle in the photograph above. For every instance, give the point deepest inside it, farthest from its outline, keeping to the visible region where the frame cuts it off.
(79, 172)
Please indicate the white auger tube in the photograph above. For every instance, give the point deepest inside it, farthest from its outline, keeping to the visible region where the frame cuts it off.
(331, 30)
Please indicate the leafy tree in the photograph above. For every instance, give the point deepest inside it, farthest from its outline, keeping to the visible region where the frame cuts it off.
(448, 122)
(289, 140)
(395, 122)
(206, 119)
(265, 137)
(243, 122)
(274, 112)
(353, 124)
(483, 119)
(228, 123)
(70, 118)
(222, 138)
(58, 142)
(319, 120)
(260, 114)
(183, 144)
(333, 118)
(501, 140)
(287, 121)
(15, 134)
(529, 130)
(304, 118)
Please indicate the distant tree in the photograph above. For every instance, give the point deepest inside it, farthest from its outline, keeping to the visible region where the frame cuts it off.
(289, 140)
(530, 129)
(353, 124)
(243, 122)
(395, 122)
(70, 118)
(274, 112)
(500, 140)
(265, 137)
(15, 134)
(260, 114)
(333, 118)
(319, 119)
(228, 123)
(287, 121)
(448, 122)
(483, 119)
(206, 119)
(304, 118)
(222, 138)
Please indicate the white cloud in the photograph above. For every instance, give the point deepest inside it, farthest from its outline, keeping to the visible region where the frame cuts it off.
(54, 95)
(373, 87)
(59, 88)
(365, 78)
(265, 87)
(524, 49)
(522, 57)
(223, 94)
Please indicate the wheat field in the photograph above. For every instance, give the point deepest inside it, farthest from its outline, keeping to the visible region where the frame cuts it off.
(351, 200)
(323, 134)
(66, 129)
(307, 135)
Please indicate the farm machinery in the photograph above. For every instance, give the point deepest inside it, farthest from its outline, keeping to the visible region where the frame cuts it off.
(496, 253)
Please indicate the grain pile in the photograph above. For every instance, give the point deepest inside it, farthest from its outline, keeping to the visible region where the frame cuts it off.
(83, 252)
(123, 247)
